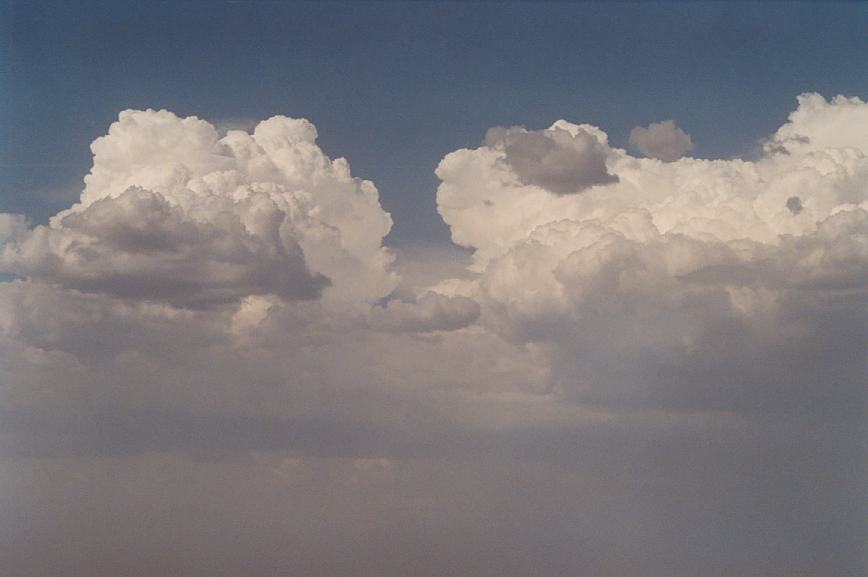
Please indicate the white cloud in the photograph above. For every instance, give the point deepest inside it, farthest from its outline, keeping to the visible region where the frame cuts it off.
(430, 312)
(140, 246)
(216, 337)
(11, 226)
(173, 213)
(691, 283)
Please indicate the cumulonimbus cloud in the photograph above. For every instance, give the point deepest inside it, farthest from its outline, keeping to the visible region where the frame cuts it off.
(638, 347)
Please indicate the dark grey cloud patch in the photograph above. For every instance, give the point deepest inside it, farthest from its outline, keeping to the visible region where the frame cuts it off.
(782, 145)
(140, 246)
(794, 205)
(554, 159)
(661, 140)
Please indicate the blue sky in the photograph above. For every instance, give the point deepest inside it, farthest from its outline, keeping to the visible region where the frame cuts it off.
(395, 86)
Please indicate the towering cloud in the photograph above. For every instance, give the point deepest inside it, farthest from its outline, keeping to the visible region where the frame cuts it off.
(560, 160)
(695, 283)
(210, 366)
(174, 213)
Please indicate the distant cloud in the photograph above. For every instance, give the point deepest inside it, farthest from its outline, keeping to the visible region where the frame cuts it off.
(11, 226)
(654, 292)
(173, 213)
(210, 365)
(661, 140)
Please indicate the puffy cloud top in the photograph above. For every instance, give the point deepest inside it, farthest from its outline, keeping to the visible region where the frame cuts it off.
(819, 124)
(661, 140)
(172, 212)
(489, 209)
(663, 287)
(214, 334)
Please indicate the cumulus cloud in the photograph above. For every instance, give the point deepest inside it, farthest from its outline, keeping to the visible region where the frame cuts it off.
(138, 245)
(173, 213)
(562, 161)
(687, 284)
(661, 140)
(210, 366)
(794, 205)
(11, 225)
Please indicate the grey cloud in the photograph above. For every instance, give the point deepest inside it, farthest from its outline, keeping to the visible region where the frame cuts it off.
(329, 449)
(554, 159)
(430, 312)
(661, 140)
(11, 226)
(782, 145)
(794, 205)
(621, 389)
(140, 246)
(745, 331)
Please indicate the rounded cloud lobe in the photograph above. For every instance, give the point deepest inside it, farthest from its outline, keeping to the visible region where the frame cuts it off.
(661, 140)
(208, 365)
(173, 213)
(140, 246)
(694, 283)
(558, 160)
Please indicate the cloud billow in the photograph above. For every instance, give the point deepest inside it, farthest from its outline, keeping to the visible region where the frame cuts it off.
(210, 366)
(661, 140)
(173, 213)
(558, 160)
(618, 283)
(139, 246)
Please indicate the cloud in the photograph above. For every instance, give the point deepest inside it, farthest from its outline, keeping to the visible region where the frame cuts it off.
(661, 140)
(139, 246)
(794, 205)
(558, 160)
(686, 285)
(11, 225)
(172, 213)
(211, 364)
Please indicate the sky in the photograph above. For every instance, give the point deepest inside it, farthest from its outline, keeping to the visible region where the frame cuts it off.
(395, 86)
(496, 289)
